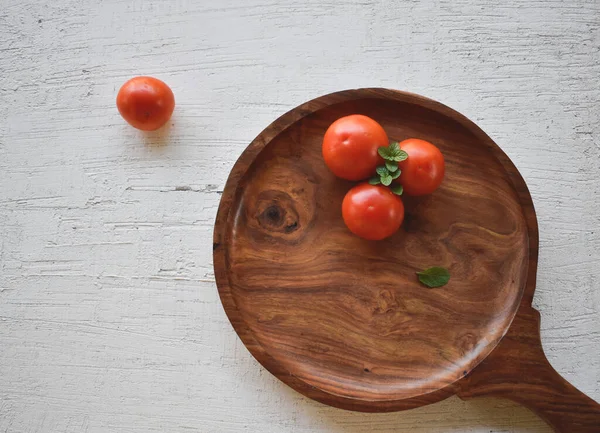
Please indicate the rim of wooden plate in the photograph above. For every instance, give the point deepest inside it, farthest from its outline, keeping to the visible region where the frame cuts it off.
(231, 192)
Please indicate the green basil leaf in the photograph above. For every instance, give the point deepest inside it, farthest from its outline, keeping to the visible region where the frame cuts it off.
(374, 180)
(399, 156)
(386, 180)
(382, 171)
(434, 277)
(394, 147)
(384, 152)
(391, 166)
(397, 189)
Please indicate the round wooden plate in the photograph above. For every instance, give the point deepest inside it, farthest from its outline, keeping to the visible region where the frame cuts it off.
(344, 320)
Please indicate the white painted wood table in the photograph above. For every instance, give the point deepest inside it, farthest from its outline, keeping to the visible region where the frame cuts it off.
(109, 315)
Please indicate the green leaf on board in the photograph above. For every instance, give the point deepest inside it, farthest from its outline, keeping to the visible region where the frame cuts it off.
(435, 276)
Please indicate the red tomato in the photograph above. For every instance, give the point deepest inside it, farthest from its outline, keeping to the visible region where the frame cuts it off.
(423, 170)
(350, 146)
(372, 212)
(146, 103)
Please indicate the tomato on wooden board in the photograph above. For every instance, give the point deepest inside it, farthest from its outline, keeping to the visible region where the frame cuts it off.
(372, 212)
(146, 103)
(350, 146)
(423, 170)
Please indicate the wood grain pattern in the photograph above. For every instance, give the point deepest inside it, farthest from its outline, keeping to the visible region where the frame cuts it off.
(343, 320)
(518, 370)
(347, 317)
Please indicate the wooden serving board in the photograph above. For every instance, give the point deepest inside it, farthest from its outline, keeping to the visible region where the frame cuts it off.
(344, 320)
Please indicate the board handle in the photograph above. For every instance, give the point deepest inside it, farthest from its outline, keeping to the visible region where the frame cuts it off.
(519, 371)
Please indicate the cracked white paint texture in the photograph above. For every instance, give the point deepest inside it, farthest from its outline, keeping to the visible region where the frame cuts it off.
(109, 315)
